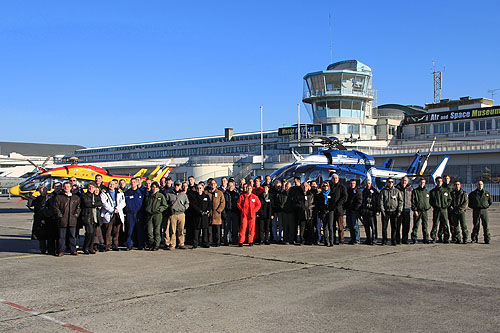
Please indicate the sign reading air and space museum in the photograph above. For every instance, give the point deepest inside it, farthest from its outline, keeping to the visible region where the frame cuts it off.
(453, 115)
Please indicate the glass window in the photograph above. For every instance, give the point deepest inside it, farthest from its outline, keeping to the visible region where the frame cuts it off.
(479, 125)
(332, 129)
(489, 124)
(481, 172)
(349, 129)
(347, 83)
(333, 82)
(334, 105)
(347, 105)
(392, 130)
(333, 113)
(318, 85)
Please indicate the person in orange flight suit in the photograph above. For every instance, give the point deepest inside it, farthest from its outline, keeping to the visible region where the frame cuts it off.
(249, 205)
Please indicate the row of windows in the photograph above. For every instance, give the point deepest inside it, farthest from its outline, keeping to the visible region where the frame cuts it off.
(187, 152)
(457, 127)
(342, 108)
(338, 82)
(180, 143)
(488, 173)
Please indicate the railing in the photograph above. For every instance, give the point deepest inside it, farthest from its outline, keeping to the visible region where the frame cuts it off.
(462, 134)
(338, 92)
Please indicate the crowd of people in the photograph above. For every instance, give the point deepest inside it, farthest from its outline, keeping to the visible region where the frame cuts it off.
(147, 215)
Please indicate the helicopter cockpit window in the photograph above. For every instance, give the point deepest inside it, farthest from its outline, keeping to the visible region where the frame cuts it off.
(33, 183)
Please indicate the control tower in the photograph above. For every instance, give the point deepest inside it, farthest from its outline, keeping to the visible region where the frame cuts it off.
(340, 100)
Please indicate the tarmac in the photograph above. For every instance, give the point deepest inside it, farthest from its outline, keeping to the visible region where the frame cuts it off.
(405, 288)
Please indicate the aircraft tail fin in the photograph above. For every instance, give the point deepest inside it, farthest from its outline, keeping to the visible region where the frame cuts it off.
(297, 156)
(424, 165)
(141, 173)
(154, 172)
(163, 173)
(413, 168)
(388, 163)
(438, 172)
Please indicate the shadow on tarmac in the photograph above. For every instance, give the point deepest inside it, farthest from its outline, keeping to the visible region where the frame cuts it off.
(18, 244)
(14, 210)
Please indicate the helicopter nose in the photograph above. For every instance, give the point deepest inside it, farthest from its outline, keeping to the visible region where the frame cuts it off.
(15, 190)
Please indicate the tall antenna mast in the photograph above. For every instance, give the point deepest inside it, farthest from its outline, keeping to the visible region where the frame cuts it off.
(331, 48)
(438, 80)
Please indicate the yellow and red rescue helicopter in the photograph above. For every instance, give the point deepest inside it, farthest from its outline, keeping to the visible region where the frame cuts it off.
(83, 173)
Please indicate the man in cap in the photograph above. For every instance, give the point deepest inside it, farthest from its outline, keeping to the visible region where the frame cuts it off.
(178, 203)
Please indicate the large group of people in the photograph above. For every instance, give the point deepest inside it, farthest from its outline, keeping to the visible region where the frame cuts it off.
(147, 215)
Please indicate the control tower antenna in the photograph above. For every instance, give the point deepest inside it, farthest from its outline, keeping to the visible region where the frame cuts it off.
(331, 47)
(493, 92)
(438, 83)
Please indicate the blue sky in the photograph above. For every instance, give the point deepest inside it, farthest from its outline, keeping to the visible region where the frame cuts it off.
(113, 72)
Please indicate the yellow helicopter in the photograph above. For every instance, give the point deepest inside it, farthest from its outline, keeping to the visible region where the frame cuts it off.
(83, 173)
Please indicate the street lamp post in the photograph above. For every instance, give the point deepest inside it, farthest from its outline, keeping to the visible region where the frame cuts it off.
(261, 140)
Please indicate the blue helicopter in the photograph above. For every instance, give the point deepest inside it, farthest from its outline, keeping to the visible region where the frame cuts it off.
(353, 164)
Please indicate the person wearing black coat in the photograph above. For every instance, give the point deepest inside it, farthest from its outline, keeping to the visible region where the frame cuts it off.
(43, 222)
(369, 212)
(265, 214)
(339, 196)
(279, 197)
(199, 208)
(91, 216)
(290, 222)
(232, 227)
(305, 214)
(352, 205)
(67, 210)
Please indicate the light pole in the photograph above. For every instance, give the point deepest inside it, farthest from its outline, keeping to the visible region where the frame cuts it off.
(261, 140)
(298, 123)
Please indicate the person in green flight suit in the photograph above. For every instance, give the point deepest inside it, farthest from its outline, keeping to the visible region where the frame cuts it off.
(480, 200)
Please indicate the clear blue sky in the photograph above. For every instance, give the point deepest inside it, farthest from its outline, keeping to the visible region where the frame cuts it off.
(113, 72)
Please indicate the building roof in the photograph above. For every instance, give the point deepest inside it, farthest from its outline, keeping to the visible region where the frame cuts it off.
(406, 109)
(36, 149)
(353, 65)
(467, 100)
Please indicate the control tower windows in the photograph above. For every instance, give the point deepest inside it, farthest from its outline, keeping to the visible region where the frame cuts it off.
(333, 82)
(330, 129)
(349, 129)
(347, 83)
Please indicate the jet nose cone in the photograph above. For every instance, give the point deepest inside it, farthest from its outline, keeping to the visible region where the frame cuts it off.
(15, 190)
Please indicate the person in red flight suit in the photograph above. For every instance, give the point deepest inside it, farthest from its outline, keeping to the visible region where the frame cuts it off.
(249, 205)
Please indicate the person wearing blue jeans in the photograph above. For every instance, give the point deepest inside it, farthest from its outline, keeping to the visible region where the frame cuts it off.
(352, 206)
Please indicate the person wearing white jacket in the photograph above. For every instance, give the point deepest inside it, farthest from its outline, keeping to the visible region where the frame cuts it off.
(113, 202)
